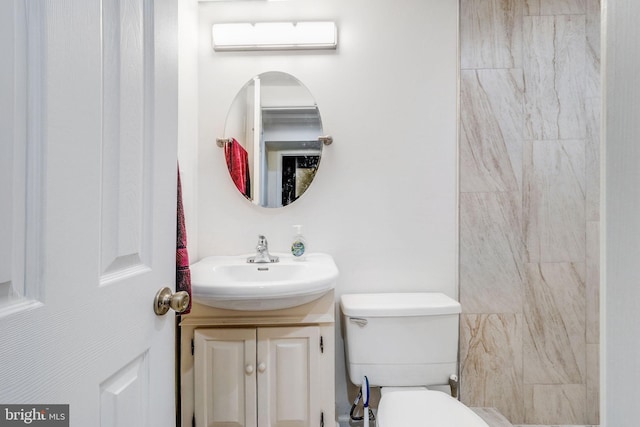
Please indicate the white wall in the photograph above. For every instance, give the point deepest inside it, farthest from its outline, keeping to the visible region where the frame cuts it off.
(621, 277)
(188, 116)
(384, 200)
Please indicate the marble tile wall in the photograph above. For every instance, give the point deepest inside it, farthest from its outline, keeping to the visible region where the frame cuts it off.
(529, 208)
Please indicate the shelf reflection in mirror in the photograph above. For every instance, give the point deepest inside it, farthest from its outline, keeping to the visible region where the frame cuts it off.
(273, 142)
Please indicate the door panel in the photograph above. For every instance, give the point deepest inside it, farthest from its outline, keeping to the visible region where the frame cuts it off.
(124, 393)
(13, 155)
(127, 145)
(225, 377)
(287, 386)
(90, 208)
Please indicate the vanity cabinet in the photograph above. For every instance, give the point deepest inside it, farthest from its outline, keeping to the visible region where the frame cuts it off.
(264, 376)
(258, 369)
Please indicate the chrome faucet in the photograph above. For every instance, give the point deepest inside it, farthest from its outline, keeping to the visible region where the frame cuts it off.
(262, 252)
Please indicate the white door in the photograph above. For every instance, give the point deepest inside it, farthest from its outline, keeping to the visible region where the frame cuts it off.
(88, 112)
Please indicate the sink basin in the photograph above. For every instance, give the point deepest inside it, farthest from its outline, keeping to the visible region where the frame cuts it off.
(230, 282)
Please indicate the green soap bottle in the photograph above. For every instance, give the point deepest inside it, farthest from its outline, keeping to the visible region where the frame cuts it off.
(298, 246)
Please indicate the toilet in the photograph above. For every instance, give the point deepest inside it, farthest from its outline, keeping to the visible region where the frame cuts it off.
(404, 343)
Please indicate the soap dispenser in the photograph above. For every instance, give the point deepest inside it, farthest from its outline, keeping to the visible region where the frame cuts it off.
(298, 246)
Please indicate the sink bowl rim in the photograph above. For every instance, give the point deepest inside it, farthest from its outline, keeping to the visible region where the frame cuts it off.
(232, 294)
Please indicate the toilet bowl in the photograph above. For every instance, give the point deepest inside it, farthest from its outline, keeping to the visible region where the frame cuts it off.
(428, 408)
(401, 341)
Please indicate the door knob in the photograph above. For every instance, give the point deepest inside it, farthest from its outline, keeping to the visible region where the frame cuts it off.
(166, 299)
(262, 367)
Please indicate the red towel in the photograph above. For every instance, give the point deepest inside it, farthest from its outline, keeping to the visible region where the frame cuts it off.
(183, 274)
(238, 164)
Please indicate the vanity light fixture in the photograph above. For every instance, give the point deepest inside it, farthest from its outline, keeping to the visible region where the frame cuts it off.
(275, 36)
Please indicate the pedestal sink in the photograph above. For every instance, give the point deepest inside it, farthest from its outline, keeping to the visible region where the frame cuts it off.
(230, 282)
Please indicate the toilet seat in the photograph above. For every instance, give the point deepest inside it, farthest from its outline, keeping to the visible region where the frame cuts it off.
(422, 408)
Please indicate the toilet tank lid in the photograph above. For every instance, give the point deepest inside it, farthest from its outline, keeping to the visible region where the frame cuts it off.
(398, 304)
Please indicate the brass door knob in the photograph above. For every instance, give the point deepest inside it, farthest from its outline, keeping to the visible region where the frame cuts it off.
(165, 299)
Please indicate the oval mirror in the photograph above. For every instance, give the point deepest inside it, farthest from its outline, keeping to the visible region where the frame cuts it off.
(271, 139)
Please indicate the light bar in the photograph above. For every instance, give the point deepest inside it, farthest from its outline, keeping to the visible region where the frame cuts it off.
(275, 36)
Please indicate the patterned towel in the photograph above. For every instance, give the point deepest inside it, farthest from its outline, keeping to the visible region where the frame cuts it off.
(183, 274)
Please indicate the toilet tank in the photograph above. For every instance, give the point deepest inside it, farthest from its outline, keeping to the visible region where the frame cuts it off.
(400, 339)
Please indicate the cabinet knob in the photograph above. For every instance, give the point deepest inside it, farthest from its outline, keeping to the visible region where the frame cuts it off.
(248, 369)
(262, 367)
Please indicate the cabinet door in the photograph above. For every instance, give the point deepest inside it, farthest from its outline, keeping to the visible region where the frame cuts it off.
(225, 379)
(288, 365)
